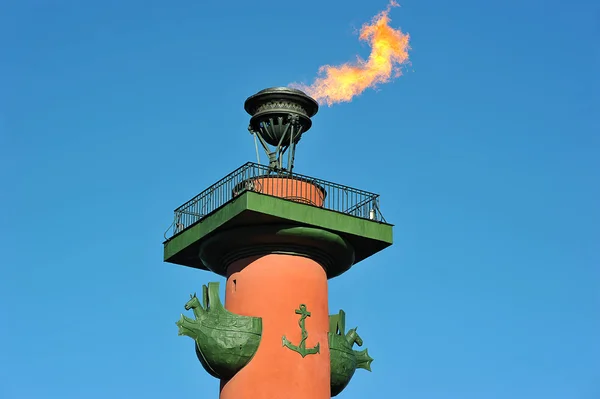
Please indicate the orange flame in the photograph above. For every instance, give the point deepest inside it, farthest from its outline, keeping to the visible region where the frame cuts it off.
(389, 51)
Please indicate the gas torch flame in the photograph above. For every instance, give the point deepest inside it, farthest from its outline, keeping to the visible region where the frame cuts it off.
(389, 51)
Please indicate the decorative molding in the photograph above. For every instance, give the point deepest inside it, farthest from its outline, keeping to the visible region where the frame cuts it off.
(330, 250)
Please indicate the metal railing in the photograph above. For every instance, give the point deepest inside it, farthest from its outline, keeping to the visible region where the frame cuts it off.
(289, 186)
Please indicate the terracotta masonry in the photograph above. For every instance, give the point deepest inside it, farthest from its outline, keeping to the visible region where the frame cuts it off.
(252, 285)
(277, 237)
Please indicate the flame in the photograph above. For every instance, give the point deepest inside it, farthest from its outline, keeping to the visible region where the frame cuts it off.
(389, 51)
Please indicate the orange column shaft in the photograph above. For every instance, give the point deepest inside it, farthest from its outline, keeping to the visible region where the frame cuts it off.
(273, 287)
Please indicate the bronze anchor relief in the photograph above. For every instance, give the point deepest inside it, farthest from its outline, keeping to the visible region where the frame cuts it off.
(301, 347)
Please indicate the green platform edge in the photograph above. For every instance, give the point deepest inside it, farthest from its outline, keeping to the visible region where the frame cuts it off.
(367, 237)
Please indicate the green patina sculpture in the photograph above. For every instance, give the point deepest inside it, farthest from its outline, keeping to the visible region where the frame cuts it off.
(344, 360)
(301, 347)
(225, 342)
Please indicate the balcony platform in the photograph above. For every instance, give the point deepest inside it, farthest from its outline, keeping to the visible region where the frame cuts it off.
(360, 226)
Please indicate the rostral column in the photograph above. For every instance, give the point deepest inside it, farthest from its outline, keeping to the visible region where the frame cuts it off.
(277, 237)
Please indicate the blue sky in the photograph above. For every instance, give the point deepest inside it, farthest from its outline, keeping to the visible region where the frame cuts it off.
(485, 153)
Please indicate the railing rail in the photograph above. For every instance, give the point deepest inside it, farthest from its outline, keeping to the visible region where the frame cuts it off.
(259, 178)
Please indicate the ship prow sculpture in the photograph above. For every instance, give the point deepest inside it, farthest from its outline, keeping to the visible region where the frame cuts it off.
(344, 359)
(225, 342)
